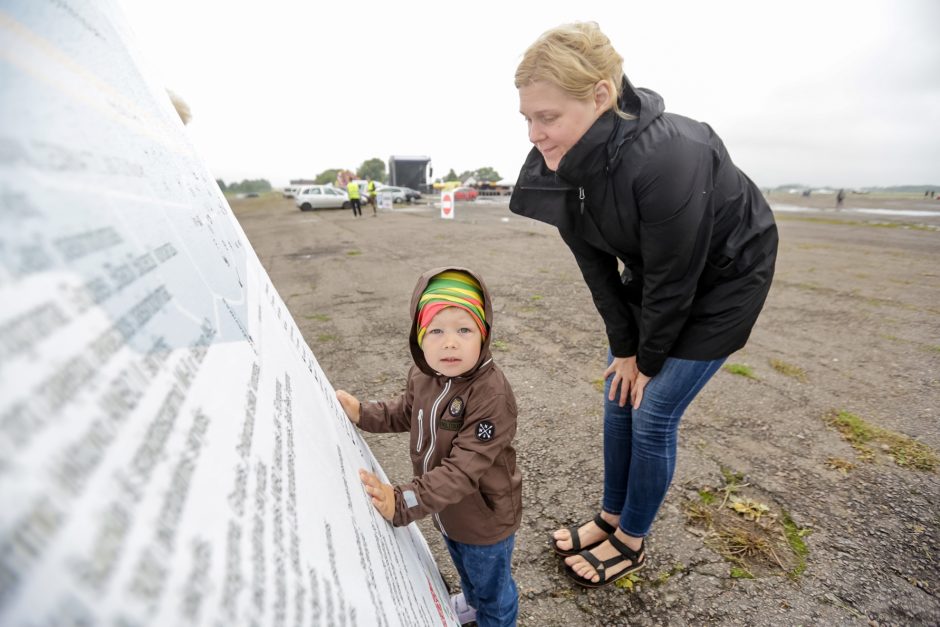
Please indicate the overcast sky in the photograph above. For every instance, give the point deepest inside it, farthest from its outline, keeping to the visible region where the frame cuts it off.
(838, 93)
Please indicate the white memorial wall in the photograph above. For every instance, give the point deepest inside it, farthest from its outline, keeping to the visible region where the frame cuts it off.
(170, 451)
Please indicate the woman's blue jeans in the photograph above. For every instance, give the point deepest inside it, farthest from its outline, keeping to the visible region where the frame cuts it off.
(640, 446)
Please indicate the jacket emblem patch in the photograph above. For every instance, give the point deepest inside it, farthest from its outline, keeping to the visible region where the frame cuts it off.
(451, 425)
(485, 430)
(456, 407)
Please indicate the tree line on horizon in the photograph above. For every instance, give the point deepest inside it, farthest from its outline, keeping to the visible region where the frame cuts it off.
(374, 169)
(245, 186)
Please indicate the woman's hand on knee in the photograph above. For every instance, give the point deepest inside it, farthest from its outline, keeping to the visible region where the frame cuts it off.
(624, 372)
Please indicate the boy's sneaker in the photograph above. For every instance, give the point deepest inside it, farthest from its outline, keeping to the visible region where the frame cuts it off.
(464, 611)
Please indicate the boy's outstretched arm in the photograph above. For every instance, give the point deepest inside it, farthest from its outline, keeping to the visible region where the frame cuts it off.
(383, 495)
(351, 405)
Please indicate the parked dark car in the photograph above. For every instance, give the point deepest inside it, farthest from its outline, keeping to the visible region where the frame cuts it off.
(400, 194)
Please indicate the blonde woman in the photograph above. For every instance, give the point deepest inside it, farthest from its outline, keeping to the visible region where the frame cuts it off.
(629, 185)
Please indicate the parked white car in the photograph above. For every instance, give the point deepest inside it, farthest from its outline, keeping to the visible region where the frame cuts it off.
(321, 197)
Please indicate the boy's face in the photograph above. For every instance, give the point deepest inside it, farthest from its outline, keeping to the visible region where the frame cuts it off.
(452, 343)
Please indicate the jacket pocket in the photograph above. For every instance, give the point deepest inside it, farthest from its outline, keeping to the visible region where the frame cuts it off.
(631, 278)
(420, 441)
(717, 267)
(495, 495)
(720, 262)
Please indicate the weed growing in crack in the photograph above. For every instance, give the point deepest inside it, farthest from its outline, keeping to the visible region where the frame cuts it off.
(794, 372)
(753, 538)
(865, 438)
(741, 370)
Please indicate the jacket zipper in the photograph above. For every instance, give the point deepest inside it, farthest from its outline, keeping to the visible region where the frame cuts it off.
(432, 430)
(581, 196)
(420, 430)
(540, 188)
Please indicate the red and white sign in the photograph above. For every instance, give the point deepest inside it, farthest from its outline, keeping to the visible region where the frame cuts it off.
(447, 204)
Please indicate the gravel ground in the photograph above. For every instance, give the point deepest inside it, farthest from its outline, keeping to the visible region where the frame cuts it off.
(852, 324)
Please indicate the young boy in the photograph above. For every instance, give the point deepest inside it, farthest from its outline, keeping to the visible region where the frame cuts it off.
(462, 416)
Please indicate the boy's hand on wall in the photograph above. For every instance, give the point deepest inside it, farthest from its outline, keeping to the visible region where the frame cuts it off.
(383, 495)
(350, 405)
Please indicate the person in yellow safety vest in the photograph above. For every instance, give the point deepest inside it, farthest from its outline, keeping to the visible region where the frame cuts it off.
(370, 189)
(352, 188)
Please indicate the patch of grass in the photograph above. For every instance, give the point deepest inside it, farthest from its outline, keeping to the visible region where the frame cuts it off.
(731, 477)
(789, 370)
(326, 337)
(794, 535)
(536, 297)
(905, 451)
(665, 575)
(744, 545)
(753, 538)
(499, 345)
(842, 465)
(854, 430)
(812, 287)
(933, 348)
(887, 225)
(628, 582)
(741, 370)
(748, 508)
(318, 317)
(353, 253)
(699, 515)
(598, 384)
(707, 496)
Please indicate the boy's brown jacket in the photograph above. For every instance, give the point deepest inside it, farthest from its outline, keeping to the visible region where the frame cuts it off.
(461, 442)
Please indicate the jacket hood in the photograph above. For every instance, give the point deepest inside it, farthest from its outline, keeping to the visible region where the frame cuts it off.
(611, 132)
(417, 354)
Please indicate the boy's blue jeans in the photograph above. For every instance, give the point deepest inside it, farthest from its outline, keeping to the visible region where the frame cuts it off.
(640, 446)
(486, 580)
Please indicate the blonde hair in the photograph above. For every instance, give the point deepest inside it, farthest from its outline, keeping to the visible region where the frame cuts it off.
(574, 57)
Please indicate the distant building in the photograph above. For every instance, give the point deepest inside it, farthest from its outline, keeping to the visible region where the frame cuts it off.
(410, 172)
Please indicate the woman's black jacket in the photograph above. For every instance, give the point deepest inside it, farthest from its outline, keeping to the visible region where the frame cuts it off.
(696, 238)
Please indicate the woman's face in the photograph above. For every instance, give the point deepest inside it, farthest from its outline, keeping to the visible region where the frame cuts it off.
(556, 120)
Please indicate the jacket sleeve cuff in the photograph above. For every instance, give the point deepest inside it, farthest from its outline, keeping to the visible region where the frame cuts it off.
(650, 362)
(407, 507)
(622, 348)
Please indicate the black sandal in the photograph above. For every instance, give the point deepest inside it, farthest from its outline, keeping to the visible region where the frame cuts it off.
(576, 547)
(637, 561)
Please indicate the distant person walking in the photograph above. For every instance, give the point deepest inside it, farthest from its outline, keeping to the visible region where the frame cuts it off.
(626, 183)
(370, 190)
(352, 188)
(840, 197)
